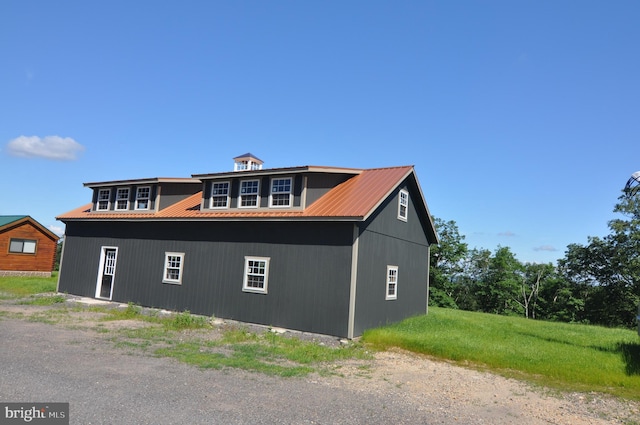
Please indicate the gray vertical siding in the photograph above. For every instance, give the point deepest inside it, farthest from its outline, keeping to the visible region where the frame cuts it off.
(308, 287)
(319, 183)
(385, 240)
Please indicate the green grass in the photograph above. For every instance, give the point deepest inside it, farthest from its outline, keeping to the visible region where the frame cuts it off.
(266, 353)
(44, 300)
(559, 355)
(18, 286)
(184, 336)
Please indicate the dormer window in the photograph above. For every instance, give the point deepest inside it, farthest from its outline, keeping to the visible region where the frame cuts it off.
(104, 196)
(122, 199)
(280, 192)
(219, 195)
(143, 194)
(249, 193)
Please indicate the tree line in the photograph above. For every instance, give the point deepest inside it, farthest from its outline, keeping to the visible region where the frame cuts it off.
(596, 283)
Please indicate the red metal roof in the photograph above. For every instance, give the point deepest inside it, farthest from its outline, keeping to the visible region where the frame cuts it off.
(356, 199)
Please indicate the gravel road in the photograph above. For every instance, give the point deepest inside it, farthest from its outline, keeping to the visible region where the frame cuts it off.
(107, 385)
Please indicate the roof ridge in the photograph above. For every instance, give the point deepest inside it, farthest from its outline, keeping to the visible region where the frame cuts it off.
(389, 168)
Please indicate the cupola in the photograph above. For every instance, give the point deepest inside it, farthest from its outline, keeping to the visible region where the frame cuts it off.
(247, 162)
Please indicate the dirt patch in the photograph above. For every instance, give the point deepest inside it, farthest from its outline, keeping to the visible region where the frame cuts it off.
(481, 397)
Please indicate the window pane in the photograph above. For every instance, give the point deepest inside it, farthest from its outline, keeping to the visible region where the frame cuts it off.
(15, 246)
(29, 247)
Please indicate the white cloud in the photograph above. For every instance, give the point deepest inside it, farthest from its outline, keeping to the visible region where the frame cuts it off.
(48, 147)
(508, 233)
(58, 230)
(545, 248)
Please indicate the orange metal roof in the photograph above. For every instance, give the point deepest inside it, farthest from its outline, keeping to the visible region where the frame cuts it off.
(356, 199)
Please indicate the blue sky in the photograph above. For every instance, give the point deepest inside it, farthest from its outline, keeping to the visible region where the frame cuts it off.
(521, 117)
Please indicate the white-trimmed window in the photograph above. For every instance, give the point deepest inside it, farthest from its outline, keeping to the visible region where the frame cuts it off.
(249, 194)
(104, 197)
(219, 195)
(173, 265)
(403, 205)
(280, 192)
(143, 194)
(22, 246)
(122, 198)
(392, 283)
(256, 274)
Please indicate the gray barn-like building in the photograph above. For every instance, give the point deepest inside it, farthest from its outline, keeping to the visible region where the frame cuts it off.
(318, 249)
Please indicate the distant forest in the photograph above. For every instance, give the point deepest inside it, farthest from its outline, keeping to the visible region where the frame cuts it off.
(597, 283)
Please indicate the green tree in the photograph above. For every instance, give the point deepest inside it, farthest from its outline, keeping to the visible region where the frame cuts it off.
(610, 268)
(475, 270)
(446, 264)
(499, 291)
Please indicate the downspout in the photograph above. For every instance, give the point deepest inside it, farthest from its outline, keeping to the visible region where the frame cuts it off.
(354, 278)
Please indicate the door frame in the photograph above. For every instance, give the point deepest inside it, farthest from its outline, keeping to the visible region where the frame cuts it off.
(103, 251)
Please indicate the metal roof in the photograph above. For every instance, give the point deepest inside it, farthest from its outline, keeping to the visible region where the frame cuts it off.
(8, 219)
(353, 200)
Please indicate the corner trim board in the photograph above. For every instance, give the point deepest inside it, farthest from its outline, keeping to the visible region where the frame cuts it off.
(354, 278)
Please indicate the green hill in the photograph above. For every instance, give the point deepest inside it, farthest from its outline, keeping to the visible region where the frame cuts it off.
(559, 355)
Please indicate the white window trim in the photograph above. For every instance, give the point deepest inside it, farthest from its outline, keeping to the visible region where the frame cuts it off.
(138, 198)
(103, 251)
(257, 195)
(393, 296)
(118, 190)
(108, 200)
(165, 279)
(401, 204)
(281, 193)
(228, 201)
(246, 288)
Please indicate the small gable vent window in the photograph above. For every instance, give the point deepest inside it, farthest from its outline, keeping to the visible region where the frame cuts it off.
(403, 205)
(103, 199)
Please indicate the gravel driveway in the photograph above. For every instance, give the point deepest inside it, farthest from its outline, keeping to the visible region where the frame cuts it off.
(107, 385)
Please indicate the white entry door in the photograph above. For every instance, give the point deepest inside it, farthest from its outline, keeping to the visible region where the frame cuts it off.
(107, 272)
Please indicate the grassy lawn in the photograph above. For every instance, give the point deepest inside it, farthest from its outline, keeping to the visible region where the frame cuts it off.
(17, 287)
(558, 355)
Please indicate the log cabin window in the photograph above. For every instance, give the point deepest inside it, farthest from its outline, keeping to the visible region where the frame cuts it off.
(143, 194)
(104, 196)
(403, 205)
(22, 246)
(256, 274)
(219, 195)
(122, 198)
(392, 283)
(173, 266)
(280, 192)
(249, 190)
